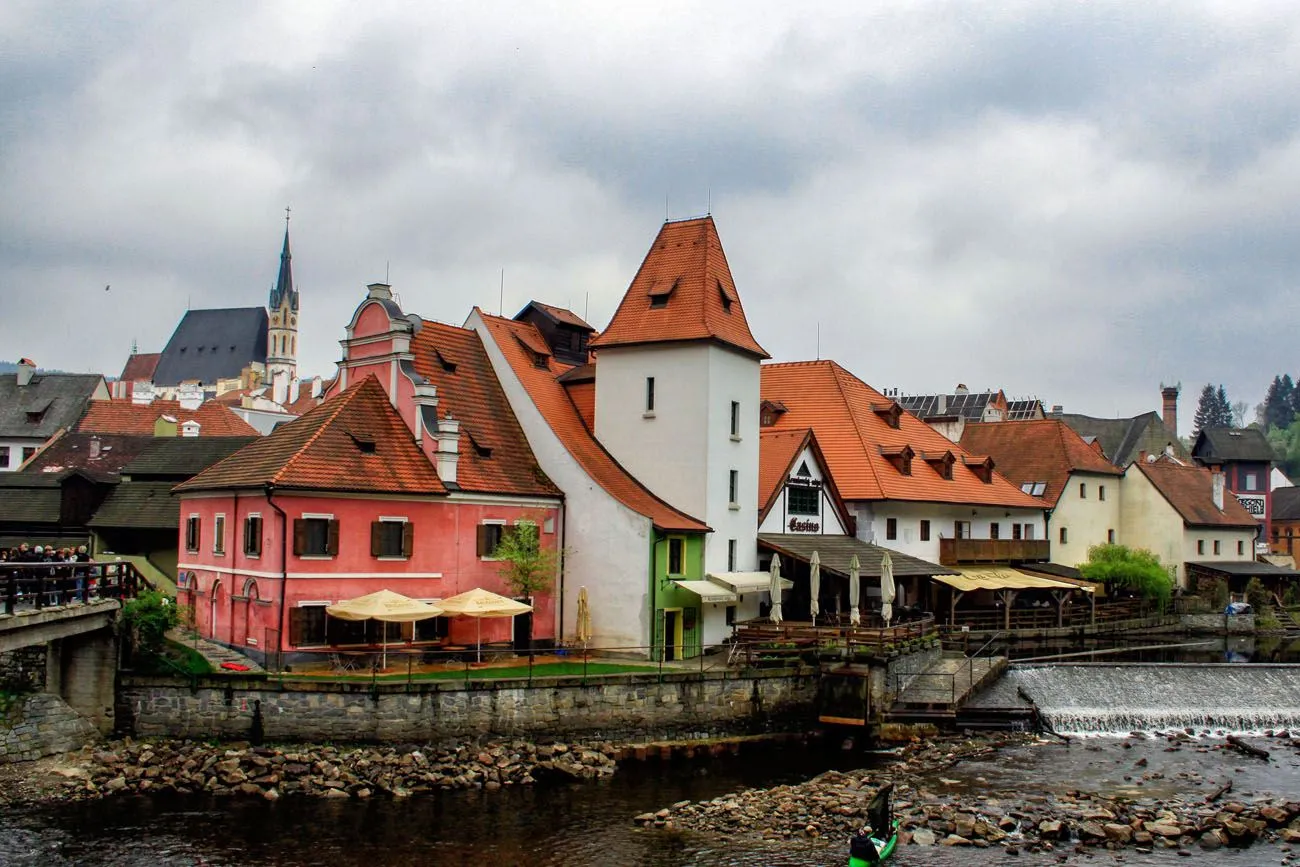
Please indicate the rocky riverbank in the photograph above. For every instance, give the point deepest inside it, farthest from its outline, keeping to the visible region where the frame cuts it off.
(833, 805)
(159, 767)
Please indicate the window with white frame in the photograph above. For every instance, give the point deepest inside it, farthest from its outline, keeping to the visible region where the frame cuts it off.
(219, 535)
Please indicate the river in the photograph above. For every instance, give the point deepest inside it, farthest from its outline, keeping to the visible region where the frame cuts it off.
(589, 824)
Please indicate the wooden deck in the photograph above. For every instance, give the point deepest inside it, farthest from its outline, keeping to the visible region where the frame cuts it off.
(762, 639)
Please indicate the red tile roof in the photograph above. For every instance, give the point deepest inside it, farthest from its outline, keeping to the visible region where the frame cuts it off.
(777, 451)
(304, 404)
(559, 314)
(686, 263)
(355, 441)
(121, 416)
(552, 401)
(1190, 490)
(1043, 450)
(140, 367)
(838, 407)
(454, 360)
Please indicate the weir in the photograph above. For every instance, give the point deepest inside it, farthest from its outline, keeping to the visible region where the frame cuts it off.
(1116, 698)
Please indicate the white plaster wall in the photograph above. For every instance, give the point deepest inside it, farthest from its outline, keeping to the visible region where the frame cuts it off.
(607, 545)
(1087, 519)
(1147, 521)
(778, 519)
(16, 446)
(872, 517)
(684, 450)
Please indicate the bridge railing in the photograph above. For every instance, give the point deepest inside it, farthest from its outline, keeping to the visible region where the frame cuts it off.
(32, 586)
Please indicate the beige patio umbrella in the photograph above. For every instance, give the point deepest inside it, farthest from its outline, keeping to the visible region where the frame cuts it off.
(855, 591)
(583, 631)
(814, 585)
(774, 589)
(479, 603)
(887, 591)
(386, 607)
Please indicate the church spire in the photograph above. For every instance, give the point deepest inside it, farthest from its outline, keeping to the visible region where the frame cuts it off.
(284, 291)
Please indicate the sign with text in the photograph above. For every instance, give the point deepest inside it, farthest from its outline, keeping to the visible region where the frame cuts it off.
(1254, 504)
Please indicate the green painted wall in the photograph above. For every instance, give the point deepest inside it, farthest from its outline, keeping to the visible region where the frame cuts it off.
(666, 594)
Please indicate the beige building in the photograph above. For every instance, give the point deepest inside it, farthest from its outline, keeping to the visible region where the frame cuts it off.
(1047, 459)
(1181, 514)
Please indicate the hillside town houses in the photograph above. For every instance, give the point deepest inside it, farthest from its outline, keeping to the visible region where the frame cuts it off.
(664, 463)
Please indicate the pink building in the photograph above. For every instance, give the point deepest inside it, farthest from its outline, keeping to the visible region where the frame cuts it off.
(397, 481)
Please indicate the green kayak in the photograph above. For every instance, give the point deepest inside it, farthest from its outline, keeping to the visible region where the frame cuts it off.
(875, 843)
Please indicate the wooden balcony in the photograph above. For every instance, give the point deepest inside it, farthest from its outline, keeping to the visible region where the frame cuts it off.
(971, 551)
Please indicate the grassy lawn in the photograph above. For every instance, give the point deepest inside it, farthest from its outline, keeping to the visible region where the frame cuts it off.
(547, 669)
(177, 659)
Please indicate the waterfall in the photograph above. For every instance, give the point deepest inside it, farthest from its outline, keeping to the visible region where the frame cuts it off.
(1095, 698)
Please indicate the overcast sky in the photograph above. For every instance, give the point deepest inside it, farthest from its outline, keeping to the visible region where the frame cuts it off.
(1073, 201)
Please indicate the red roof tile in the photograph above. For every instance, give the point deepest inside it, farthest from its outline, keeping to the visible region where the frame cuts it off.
(1190, 490)
(553, 402)
(686, 264)
(777, 451)
(121, 416)
(454, 360)
(140, 367)
(838, 407)
(1043, 450)
(304, 404)
(559, 314)
(355, 441)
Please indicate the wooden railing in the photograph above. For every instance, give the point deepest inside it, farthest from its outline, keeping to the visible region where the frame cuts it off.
(763, 638)
(994, 619)
(31, 586)
(955, 551)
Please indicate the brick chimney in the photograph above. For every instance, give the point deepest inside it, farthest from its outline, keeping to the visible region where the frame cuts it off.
(1169, 414)
(448, 439)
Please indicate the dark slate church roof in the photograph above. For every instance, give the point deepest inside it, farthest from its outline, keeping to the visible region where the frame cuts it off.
(284, 281)
(213, 344)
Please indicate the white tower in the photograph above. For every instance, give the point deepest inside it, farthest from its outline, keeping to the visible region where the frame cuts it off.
(282, 324)
(677, 389)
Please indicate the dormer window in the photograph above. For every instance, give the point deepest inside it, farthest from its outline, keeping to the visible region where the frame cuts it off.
(364, 444)
(769, 411)
(444, 363)
(660, 293)
(941, 463)
(890, 412)
(480, 450)
(981, 466)
(900, 457)
(727, 297)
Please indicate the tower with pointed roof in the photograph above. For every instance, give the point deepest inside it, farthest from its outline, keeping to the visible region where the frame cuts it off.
(677, 389)
(282, 322)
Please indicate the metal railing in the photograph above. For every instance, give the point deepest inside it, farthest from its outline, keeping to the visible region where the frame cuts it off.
(33, 586)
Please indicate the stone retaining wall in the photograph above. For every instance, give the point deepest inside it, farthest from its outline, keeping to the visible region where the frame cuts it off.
(1233, 624)
(429, 712)
(23, 669)
(42, 725)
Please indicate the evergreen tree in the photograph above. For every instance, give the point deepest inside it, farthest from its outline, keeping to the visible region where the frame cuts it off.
(1204, 416)
(1279, 411)
(1222, 409)
(1292, 391)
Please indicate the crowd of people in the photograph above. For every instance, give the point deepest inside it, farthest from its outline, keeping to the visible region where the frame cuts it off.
(26, 553)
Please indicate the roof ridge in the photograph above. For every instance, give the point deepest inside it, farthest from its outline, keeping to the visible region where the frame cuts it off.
(346, 399)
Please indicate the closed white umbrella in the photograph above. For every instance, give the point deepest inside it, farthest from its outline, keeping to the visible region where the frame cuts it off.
(774, 589)
(887, 590)
(814, 585)
(855, 616)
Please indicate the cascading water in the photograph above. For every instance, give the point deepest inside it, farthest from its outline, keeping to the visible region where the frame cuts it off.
(1099, 698)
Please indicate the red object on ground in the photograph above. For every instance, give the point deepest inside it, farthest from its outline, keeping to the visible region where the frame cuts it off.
(234, 666)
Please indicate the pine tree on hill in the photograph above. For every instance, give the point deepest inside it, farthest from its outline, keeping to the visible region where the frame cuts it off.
(1212, 410)
(1278, 408)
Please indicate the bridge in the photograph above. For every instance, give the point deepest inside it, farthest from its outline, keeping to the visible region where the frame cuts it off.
(66, 610)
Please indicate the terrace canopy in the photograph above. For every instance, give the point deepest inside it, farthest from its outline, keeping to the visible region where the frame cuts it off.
(1006, 582)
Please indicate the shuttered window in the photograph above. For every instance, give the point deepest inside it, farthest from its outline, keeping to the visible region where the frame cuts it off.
(391, 538)
(253, 536)
(315, 537)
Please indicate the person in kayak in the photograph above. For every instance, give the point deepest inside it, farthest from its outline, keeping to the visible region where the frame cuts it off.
(875, 842)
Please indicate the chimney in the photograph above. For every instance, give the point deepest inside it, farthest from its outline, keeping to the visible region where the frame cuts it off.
(1169, 413)
(426, 411)
(1216, 474)
(94, 448)
(280, 387)
(317, 385)
(382, 291)
(448, 449)
(941, 405)
(142, 393)
(1057, 411)
(295, 389)
(189, 395)
(164, 426)
(190, 428)
(26, 370)
(962, 389)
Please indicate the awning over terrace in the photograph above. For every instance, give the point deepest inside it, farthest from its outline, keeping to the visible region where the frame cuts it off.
(747, 582)
(1006, 578)
(708, 591)
(835, 552)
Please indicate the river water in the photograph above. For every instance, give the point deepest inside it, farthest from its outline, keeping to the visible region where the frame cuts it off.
(589, 824)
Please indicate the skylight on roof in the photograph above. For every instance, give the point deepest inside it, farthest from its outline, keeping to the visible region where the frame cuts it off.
(1034, 489)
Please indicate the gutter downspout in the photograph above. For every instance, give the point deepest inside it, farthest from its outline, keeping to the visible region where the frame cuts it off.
(655, 538)
(564, 527)
(284, 566)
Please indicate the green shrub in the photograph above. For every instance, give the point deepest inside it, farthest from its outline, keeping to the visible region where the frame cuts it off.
(1138, 570)
(1257, 596)
(145, 621)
